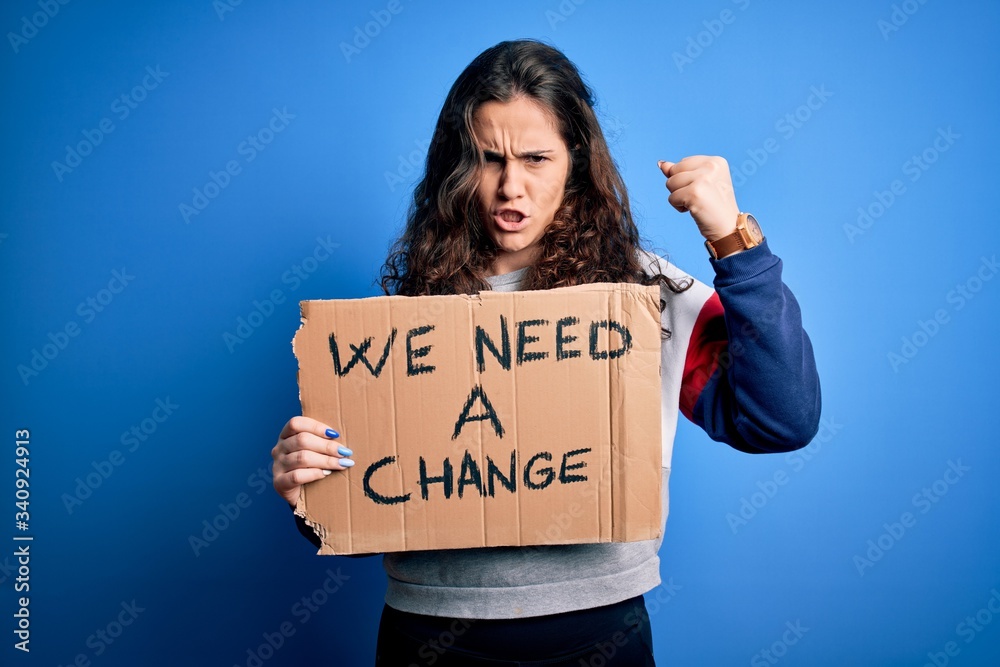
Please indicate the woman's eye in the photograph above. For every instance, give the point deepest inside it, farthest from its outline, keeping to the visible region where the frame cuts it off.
(536, 159)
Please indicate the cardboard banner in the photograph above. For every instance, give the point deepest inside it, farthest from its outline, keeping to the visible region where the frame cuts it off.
(496, 419)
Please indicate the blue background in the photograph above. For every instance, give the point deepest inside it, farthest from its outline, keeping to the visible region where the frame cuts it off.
(341, 169)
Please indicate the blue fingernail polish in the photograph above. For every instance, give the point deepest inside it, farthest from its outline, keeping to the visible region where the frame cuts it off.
(344, 451)
(346, 463)
(330, 433)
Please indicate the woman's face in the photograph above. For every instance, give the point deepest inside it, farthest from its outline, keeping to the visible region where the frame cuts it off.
(522, 186)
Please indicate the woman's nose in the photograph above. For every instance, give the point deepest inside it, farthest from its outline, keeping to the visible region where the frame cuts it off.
(511, 182)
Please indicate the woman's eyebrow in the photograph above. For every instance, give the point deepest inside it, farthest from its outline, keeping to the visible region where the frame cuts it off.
(494, 154)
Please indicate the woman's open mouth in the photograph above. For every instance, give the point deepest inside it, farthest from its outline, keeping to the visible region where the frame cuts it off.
(509, 220)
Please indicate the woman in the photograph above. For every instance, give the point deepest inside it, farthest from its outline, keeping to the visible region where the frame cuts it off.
(520, 192)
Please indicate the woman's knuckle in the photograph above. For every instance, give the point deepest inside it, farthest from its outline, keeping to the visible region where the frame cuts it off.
(298, 441)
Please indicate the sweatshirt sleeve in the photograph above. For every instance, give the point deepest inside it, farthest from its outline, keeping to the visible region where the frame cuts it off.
(749, 375)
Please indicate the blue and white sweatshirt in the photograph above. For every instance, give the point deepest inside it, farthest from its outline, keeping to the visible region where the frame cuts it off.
(737, 363)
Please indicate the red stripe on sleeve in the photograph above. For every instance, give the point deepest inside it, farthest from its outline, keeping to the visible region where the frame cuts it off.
(708, 340)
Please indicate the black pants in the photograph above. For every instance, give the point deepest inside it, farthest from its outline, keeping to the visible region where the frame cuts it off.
(614, 636)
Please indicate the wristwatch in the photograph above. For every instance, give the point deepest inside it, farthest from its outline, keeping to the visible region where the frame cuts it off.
(747, 235)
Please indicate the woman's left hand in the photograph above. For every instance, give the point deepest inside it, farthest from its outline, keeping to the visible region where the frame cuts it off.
(703, 186)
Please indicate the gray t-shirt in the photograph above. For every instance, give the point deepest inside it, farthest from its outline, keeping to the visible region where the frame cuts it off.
(508, 282)
(517, 582)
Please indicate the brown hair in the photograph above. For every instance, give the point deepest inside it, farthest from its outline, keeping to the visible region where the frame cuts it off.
(445, 248)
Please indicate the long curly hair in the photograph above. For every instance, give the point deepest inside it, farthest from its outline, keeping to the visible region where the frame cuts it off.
(445, 248)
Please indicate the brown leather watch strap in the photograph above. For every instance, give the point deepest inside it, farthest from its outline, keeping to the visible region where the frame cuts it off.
(747, 235)
(727, 245)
